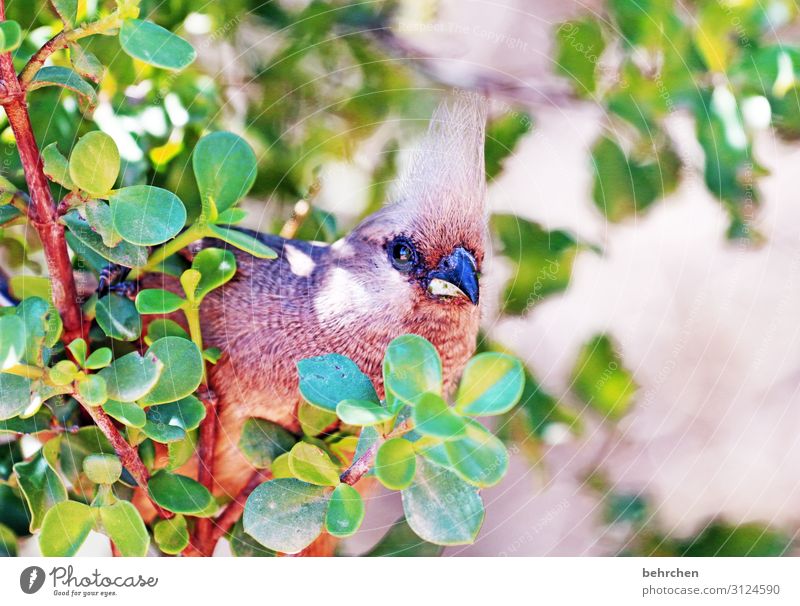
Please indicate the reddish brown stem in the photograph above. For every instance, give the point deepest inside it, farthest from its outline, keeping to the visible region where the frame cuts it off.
(55, 43)
(360, 466)
(126, 453)
(42, 211)
(205, 453)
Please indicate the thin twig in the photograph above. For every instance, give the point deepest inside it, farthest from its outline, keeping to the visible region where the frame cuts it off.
(35, 63)
(359, 468)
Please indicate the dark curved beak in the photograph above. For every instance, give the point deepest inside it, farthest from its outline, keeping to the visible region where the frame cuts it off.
(456, 275)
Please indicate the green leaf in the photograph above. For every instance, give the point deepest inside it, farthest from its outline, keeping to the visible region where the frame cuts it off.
(15, 395)
(183, 370)
(180, 494)
(13, 512)
(601, 380)
(433, 417)
(155, 45)
(362, 412)
(67, 10)
(36, 312)
(310, 464)
(94, 163)
(245, 546)
(286, 514)
(12, 341)
(146, 215)
(280, 467)
(98, 216)
(124, 253)
(78, 349)
(313, 420)
(502, 136)
(41, 486)
(132, 376)
(157, 301)
(10, 36)
(262, 442)
(747, 540)
(99, 358)
(171, 536)
(441, 508)
(56, 166)
(216, 267)
(478, 458)
(92, 390)
(124, 526)
(327, 380)
(118, 318)
(163, 327)
(170, 422)
(345, 511)
(396, 464)
(243, 241)
(102, 468)
(85, 63)
(74, 448)
(224, 167)
(53, 75)
(8, 542)
(401, 541)
(126, 413)
(178, 453)
(66, 526)
(542, 261)
(492, 384)
(411, 367)
(579, 46)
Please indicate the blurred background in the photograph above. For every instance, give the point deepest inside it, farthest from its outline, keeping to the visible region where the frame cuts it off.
(644, 172)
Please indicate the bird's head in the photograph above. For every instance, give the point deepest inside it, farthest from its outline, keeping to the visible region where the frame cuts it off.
(428, 244)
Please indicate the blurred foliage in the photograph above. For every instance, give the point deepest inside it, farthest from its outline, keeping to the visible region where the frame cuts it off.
(718, 62)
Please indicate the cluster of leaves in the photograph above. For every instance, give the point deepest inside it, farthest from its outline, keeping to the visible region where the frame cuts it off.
(439, 456)
(716, 62)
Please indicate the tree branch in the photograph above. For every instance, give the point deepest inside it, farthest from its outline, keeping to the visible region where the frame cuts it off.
(42, 212)
(126, 453)
(360, 466)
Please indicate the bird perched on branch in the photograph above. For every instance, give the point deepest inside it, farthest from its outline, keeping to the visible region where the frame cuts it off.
(411, 267)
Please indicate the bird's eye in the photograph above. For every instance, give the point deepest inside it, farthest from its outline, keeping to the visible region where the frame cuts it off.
(402, 253)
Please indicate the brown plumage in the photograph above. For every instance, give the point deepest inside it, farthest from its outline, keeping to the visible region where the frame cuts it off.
(354, 296)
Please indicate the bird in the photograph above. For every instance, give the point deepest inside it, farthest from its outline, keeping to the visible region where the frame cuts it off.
(413, 266)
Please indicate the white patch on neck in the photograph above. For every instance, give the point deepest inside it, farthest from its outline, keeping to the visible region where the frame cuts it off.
(342, 296)
(299, 262)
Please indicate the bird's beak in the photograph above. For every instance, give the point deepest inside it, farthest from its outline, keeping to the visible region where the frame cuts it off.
(456, 276)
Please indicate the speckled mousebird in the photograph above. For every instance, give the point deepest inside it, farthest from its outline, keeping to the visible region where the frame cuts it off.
(411, 267)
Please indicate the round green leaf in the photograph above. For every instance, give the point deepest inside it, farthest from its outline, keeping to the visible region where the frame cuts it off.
(362, 412)
(411, 367)
(313, 420)
(102, 468)
(396, 464)
(10, 36)
(126, 413)
(170, 422)
(15, 395)
(92, 390)
(285, 514)
(12, 341)
(183, 370)
(180, 494)
(78, 349)
(157, 301)
(479, 457)
(62, 373)
(224, 167)
(171, 535)
(310, 464)
(155, 45)
(433, 417)
(492, 384)
(327, 380)
(40, 484)
(345, 511)
(262, 442)
(132, 376)
(441, 508)
(124, 526)
(66, 526)
(94, 163)
(216, 266)
(118, 318)
(99, 358)
(146, 215)
(81, 234)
